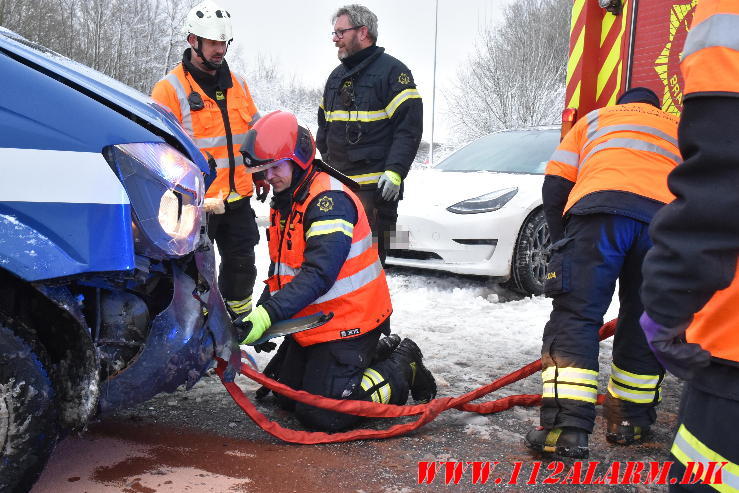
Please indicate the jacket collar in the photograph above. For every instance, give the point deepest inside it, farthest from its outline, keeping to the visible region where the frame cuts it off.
(370, 54)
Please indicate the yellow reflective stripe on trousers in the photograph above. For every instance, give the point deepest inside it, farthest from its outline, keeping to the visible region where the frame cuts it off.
(687, 448)
(631, 395)
(330, 226)
(371, 116)
(367, 178)
(352, 283)
(382, 393)
(566, 391)
(633, 379)
(570, 374)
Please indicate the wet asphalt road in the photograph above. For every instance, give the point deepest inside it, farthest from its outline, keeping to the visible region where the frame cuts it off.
(200, 441)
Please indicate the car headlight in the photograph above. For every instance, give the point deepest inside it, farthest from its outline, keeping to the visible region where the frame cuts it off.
(166, 192)
(484, 203)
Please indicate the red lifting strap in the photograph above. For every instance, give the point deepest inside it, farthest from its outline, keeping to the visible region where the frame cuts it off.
(428, 412)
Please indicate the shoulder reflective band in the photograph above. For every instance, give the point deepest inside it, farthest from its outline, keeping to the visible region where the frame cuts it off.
(719, 30)
(330, 226)
(566, 157)
(184, 103)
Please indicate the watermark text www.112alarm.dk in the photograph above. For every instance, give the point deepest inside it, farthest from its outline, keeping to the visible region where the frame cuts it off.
(591, 472)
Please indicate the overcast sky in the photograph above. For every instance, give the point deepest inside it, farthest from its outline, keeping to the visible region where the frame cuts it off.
(296, 34)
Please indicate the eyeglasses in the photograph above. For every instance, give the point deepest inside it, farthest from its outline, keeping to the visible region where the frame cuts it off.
(340, 33)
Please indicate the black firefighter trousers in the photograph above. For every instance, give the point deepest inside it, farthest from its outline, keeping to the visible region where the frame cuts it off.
(341, 369)
(707, 438)
(596, 251)
(382, 217)
(236, 234)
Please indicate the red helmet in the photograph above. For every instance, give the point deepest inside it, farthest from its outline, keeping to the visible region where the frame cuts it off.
(274, 138)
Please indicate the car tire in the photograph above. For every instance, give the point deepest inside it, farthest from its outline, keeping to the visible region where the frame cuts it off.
(28, 424)
(530, 255)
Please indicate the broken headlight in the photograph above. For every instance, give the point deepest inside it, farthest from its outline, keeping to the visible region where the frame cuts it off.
(166, 192)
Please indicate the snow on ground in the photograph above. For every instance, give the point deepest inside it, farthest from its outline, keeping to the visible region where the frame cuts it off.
(468, 334)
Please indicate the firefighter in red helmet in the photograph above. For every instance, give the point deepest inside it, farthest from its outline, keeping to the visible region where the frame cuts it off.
(323, 260)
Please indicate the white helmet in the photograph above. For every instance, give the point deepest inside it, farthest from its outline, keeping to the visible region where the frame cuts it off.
(209, 21)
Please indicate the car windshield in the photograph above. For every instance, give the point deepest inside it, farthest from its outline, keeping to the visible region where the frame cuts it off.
(518, 151)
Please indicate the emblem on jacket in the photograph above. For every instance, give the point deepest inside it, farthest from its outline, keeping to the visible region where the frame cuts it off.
(325, 204)
(350, 332)
(404, 78)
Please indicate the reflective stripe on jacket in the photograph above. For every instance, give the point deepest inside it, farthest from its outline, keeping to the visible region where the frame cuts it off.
(710, 59)
(710, 65)
(359, 299)
(628, 147)
(206, 126)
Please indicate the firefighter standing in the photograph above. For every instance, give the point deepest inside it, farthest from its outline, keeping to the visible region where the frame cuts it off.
(216, 109)
(691, 286)
(371, 119)
(608, 177)
(323, 260)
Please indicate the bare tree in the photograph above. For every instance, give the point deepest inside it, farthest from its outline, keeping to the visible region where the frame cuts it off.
(516, 75)
(134, 41)
(273, 89)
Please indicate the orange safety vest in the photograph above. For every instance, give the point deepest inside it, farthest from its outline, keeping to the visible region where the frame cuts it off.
(207, 129)
(628, 147)
(359, 299)
(710, 66)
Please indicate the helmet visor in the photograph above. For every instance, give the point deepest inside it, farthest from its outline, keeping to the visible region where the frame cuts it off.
(266, 166)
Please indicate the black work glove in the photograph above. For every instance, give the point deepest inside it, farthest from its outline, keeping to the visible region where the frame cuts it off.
(668, 345)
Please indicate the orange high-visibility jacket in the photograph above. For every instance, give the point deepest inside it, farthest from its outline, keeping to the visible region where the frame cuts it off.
(359, 299)
(207, 129)
(628, 148)
(710, 66)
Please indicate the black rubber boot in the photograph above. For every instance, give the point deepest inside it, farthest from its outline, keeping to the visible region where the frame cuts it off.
(565, 442)
(624, 433)
(422, 383)
(385, 347)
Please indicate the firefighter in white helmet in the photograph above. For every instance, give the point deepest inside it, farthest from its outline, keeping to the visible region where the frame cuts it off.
(216, 109)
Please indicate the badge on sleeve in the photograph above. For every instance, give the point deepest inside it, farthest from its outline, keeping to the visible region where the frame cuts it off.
(404, 78)
(325, 204)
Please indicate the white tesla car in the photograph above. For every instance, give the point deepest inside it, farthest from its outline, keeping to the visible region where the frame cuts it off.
(479, 211)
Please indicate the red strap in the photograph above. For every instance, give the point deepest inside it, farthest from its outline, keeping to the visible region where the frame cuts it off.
(428, 412)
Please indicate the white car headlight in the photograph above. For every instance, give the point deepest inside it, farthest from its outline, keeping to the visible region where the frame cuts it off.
(484, 203)
(166, 191)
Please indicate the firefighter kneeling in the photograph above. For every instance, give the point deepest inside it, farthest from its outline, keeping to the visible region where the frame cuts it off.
(323, 259)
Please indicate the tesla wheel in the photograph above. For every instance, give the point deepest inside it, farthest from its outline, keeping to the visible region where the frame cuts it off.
(530, 255)
(28, 426)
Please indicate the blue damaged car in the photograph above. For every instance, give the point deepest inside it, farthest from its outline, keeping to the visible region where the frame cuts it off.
(107, 278)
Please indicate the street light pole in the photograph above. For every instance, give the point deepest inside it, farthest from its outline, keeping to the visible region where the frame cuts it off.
(433, 84)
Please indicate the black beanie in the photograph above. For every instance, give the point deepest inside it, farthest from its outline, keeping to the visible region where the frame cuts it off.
(639, 95)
